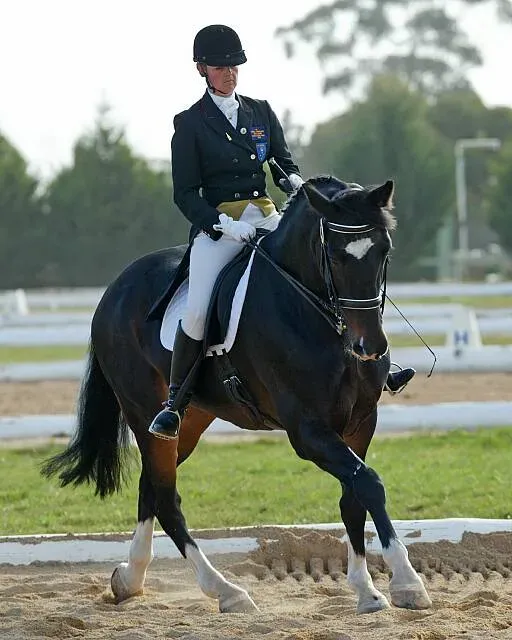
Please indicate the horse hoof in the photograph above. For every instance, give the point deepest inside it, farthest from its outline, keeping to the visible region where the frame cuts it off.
(411, 597)
(238, 603)
(373, 602)
(120, 588)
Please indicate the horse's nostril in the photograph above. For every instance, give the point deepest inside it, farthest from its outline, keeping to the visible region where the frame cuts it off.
(358, 349)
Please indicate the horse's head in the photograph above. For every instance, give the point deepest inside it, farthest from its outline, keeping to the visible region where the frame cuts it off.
(353, 249)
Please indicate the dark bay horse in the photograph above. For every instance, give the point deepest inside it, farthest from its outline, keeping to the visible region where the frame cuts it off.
(311, 350)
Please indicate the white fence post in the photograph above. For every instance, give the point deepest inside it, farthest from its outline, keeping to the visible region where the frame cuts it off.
(464, 332)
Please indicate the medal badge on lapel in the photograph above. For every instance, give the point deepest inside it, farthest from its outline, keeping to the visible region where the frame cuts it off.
(259, 137)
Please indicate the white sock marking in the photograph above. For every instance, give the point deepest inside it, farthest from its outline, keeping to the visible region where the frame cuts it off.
(358, 577)
(210, 580)
(215, 585)
(132, 574)
(360, 581)
(397, 559)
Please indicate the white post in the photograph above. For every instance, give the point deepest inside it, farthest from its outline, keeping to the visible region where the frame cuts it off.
(462, 212)
(461, 195)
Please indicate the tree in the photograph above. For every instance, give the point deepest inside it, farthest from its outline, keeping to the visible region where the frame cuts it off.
(107, 209)
(421, 42)
(388, 136)
(19, 215)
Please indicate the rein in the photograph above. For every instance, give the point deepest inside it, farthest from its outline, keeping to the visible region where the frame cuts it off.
(325, 310)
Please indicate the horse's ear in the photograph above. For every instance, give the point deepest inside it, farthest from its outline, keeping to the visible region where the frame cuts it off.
(317, 200)
(382, 196)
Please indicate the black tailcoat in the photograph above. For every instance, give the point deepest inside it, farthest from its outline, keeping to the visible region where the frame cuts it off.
(212, 162)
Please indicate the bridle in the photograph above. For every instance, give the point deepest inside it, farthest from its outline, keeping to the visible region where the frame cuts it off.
(331, 310)
(336, 302)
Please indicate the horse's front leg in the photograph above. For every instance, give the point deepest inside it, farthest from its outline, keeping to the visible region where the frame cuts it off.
(161, 457)
(315, 441)
(353, 515)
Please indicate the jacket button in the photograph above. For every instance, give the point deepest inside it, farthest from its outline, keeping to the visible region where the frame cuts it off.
(243, 130)
(253, 157)
(255, 193)
(254, 175)
(237, 195)
(235, 160)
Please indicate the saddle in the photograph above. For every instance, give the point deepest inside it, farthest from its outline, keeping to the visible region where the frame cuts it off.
(221, 300)
(218, 319)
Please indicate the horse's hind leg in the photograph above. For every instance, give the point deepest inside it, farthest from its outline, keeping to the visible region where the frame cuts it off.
(159, 496)
(353, 515)
(163, 458)
(128, 577)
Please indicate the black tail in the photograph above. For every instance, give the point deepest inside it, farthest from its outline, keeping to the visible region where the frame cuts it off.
(96, 451)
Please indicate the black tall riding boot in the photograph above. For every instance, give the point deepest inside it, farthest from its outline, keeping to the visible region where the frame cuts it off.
(398, 379)
(186, 351)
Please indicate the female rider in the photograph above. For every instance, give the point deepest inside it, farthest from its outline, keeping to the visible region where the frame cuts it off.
(218, 150)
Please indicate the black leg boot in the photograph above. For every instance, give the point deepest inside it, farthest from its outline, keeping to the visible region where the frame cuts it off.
(398, 379)
(186, 351)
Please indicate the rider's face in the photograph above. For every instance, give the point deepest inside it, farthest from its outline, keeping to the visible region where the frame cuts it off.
(223, 78)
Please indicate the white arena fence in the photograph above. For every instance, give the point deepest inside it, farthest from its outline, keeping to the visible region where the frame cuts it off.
(88, 298)
(115, 547)
(393, 419)
(459, 323)
(462, 327)
(32, 318)
(73, 332)
(449, 360)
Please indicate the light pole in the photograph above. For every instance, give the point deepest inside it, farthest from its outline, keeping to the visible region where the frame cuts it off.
(461, 192)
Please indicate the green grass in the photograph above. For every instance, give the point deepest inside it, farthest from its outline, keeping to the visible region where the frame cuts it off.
(459, 474)
(483, 302)
(440, 339)
(49, 353)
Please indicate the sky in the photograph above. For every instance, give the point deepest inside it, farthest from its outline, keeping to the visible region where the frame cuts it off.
(59, 59)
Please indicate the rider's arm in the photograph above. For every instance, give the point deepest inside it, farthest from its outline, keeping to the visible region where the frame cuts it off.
(186, 176)
(279, 149)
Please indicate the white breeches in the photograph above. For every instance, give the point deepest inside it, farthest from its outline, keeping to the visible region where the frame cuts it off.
(207, 259)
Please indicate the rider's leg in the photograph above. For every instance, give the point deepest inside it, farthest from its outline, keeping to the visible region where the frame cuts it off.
(207, 259)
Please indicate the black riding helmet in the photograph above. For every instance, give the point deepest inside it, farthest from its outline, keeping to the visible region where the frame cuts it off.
(218, 46)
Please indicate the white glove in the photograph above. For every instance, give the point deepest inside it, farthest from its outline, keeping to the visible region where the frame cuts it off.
(295, 180)
(235, 229)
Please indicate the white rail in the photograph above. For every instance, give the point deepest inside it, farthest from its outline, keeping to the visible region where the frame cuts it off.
(78, 334)
(88, 297)
(449, 360)
(446, 416)
(115, 547)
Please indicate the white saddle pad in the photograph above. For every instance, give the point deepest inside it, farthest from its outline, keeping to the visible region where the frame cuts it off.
(176, 308)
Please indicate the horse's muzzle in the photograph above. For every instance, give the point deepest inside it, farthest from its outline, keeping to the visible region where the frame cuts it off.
(364, 352)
